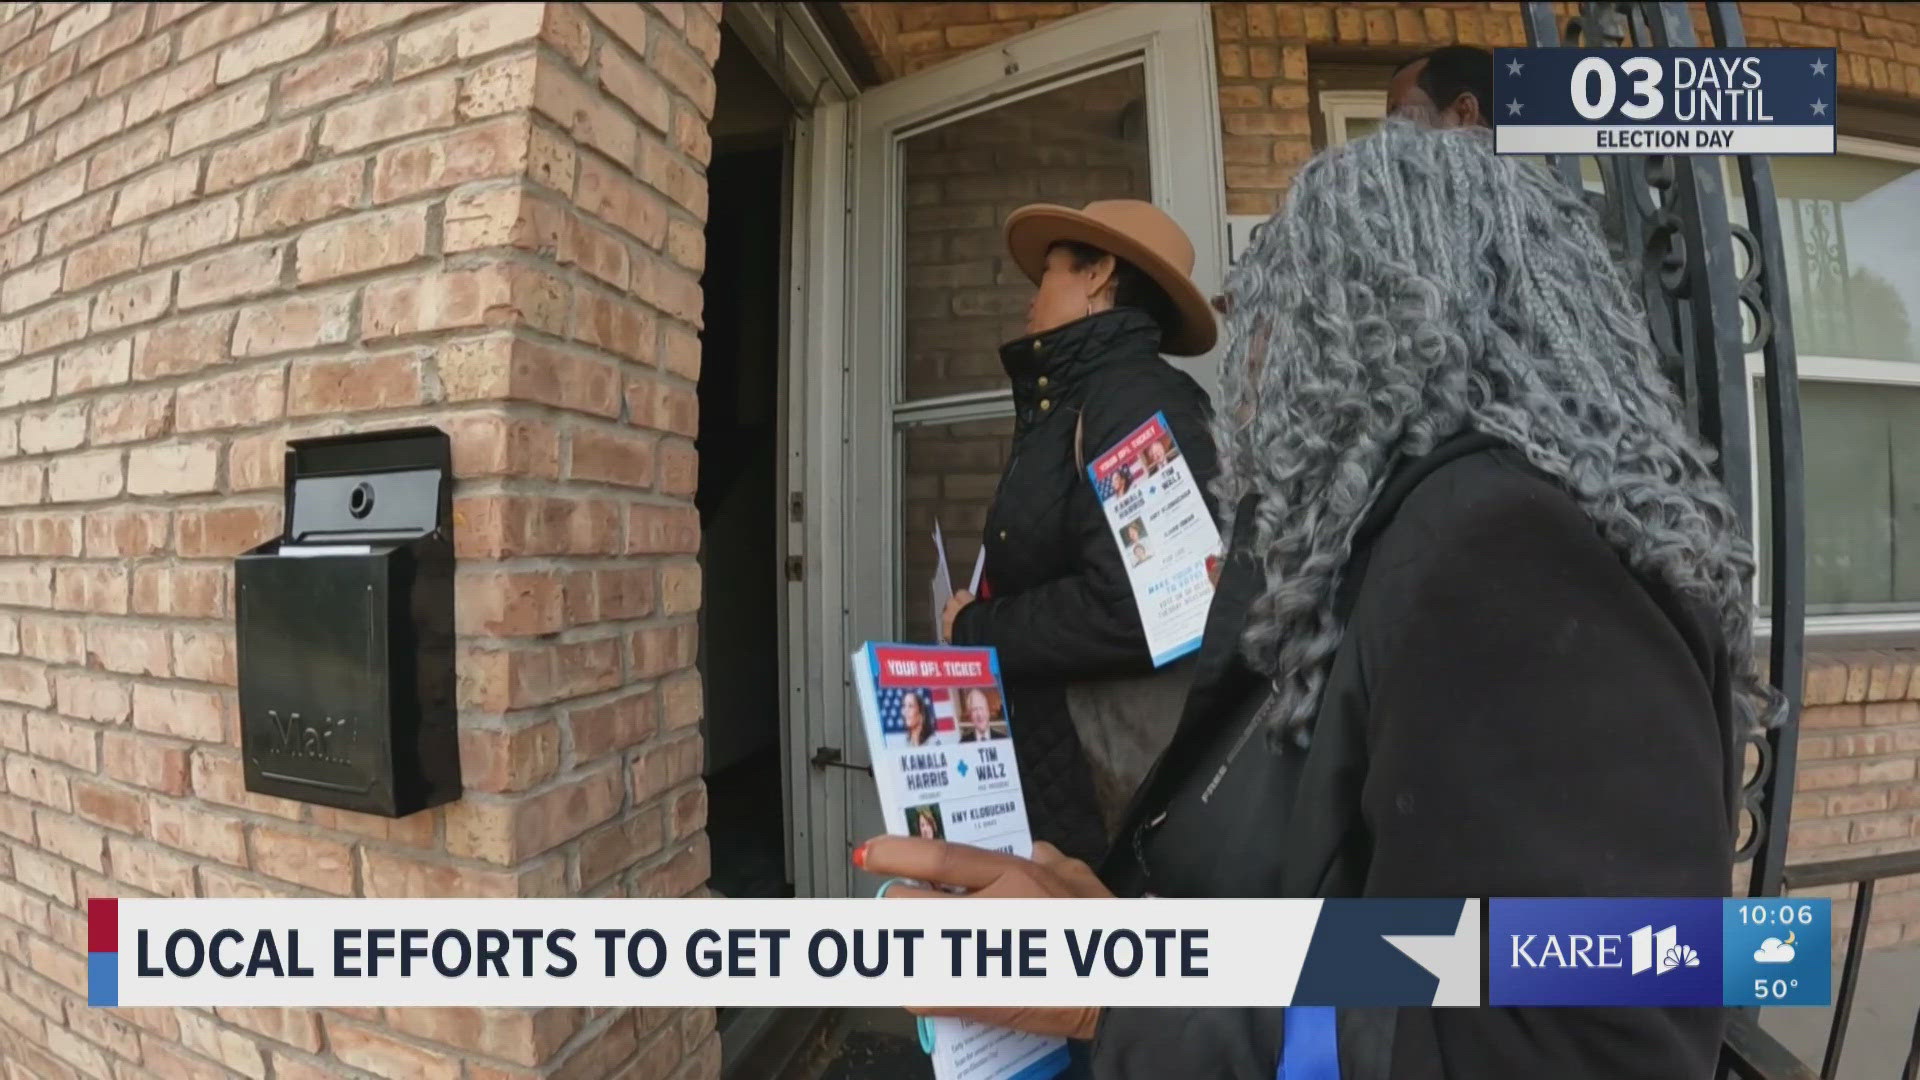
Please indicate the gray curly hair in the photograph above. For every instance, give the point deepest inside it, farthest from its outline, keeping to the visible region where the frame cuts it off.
(1417, 286)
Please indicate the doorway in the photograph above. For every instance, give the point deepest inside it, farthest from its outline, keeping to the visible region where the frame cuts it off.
(740, 447)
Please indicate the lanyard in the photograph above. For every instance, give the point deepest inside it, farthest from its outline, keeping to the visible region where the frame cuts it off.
(1311, 1048)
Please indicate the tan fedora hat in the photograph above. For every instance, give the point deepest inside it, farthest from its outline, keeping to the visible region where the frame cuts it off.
(1139, 232)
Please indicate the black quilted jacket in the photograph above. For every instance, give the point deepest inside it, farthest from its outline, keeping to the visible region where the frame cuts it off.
(1060, 609)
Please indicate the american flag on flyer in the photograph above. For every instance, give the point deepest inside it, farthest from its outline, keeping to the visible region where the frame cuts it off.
(893, 720)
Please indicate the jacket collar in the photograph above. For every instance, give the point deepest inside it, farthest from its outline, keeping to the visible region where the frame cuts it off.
(1050, 363)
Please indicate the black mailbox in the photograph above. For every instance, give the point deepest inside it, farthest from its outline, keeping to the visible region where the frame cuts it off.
(345, 629)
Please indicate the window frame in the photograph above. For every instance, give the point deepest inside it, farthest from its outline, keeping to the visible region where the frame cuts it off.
(1336, 107)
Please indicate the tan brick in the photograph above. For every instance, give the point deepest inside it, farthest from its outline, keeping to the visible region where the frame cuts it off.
(20, 246)
(613, 323)
(393, 874)
(60, 427)
(392, 114)
(497, 148)
(60, 739)
(633, 84)
(190, 592)
(500, 217)
(25, 382)
(355, 385)
(169, 90)
(182, 345)
(35, 781)
(317, 863)
(85, 477)
(157, 191)
(81, 221)
(584, 113)
(662, 530)
(551, 160)
(628, 22)
(686, 71)
(54, 324)
(276, 44)
(107, 257)
(207, 223)
(137, 63)
(315, 193)
(54, 535)
(22, 484)
(442, 301)
(494, 760)
(353, 20)
(52, 190)
(659, 650)
(297, 1027)
(240, 399)
(360, 244)
(615, 198)
(31, 287)
(509, 832)
(276, 149)
(135, 300)
(385, 1056)
(679, 468)
(248, 270)
(219, 22)
(612, 726)
(478, 30)
(606, 852)
(93, 697)
(93, 588)
(74, 841)
(228, 114)
(565, 29)
(181, 711)
(332, 75)
(529, 371)
(113, 807)
(95, 125)
(304, 321)
(218, 778)
(175, 469)
(125, 533)
(143, 761)
(503, 85)
(225, 531)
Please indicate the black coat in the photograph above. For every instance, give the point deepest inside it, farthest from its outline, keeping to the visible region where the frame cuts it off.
(1512, 712)
(1061, 609)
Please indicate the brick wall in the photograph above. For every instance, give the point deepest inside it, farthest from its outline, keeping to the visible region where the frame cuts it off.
(226, 226)
(1858, 793)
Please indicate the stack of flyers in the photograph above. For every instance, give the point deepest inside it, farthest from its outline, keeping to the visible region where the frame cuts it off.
(941, 743)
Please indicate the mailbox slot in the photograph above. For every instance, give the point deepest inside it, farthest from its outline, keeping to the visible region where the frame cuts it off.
(345, 629)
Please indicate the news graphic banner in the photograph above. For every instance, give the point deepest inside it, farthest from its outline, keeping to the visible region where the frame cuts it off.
(740, 952)
(1670, 952)
(1664, 101)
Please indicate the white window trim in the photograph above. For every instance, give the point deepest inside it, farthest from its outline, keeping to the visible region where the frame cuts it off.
(1337, 107)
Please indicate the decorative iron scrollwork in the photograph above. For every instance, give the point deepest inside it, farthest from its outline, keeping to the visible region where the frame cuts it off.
(1668, 218)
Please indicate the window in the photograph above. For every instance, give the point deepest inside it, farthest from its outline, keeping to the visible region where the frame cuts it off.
(1852, 244)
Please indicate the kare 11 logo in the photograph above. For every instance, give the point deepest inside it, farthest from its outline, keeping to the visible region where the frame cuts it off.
(1664, 101)
(1604, 952)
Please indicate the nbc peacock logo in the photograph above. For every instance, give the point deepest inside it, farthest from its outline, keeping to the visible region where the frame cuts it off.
(1659, 951)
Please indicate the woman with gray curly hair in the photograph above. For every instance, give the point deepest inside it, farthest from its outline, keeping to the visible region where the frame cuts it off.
(1483, 629)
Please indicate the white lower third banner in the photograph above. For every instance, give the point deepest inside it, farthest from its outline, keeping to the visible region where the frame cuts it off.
(857, 952)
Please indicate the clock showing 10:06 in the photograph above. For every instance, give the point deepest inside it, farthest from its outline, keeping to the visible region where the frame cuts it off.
(1777, 952)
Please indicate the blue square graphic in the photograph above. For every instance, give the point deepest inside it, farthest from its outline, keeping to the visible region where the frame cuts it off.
(1604, 952)
(1779, 951)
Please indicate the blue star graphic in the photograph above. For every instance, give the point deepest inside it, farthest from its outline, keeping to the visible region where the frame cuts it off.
(1819, 67)
(1513, 108)
(1819, 108)
(1513, 67)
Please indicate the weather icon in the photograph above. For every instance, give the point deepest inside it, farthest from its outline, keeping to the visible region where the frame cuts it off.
(1775, 951)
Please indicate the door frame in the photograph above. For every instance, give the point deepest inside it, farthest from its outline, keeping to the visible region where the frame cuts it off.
(1175, 44)
(799, 55)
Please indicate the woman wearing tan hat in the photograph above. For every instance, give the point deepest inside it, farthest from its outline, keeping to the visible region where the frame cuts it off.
(1113, 292)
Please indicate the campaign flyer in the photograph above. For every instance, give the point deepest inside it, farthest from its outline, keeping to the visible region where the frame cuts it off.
(941, 744)
(1167, 538)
